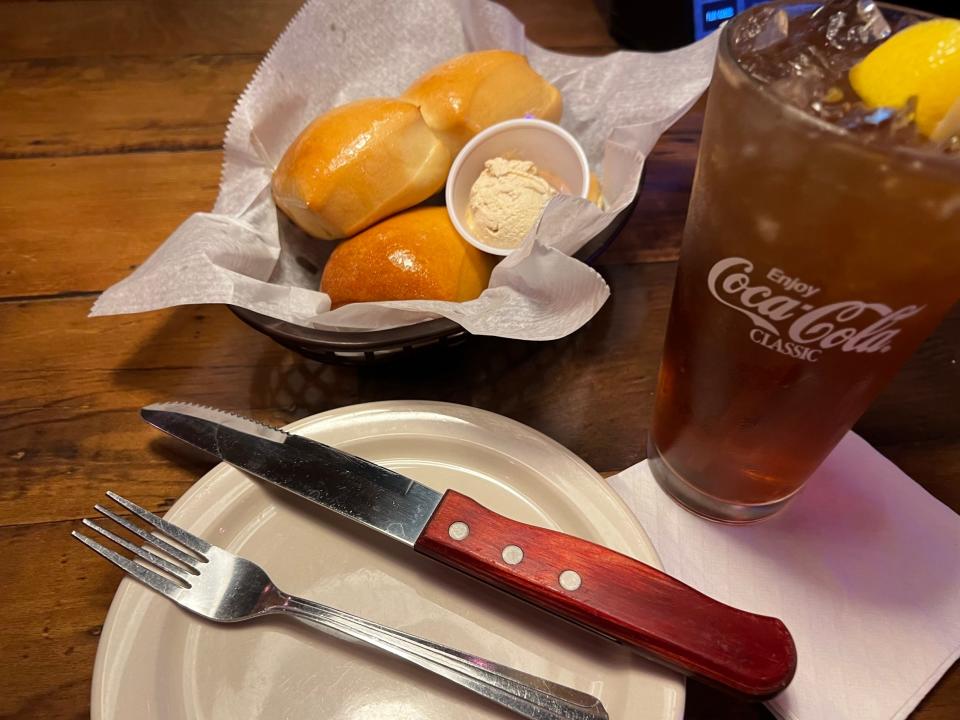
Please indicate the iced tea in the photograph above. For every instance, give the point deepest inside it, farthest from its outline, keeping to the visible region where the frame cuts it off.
(822, 245)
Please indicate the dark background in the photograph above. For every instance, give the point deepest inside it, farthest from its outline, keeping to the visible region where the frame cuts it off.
(666, 24)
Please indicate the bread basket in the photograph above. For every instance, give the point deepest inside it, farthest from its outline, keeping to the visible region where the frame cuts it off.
(368, 347)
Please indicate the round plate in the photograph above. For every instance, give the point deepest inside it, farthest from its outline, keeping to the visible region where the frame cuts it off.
(156, 661)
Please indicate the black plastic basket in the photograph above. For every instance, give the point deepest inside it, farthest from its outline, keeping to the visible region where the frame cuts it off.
(364, 347)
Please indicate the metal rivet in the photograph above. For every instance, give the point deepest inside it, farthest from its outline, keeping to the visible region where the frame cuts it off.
(569, 580)
(459, 530)
(512, 555)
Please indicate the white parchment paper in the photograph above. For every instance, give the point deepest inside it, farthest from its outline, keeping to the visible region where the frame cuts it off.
(246, 253)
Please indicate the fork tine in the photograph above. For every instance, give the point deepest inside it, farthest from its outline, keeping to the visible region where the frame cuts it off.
(175, 570)
(147, 577)
(179, 534)
(174, 552)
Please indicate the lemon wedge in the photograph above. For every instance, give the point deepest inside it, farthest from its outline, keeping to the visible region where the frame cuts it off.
(950, 125)
(922, 61)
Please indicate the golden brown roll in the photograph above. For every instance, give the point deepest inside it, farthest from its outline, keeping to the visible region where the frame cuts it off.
(471, 92)
(595, 193)
(357, 164)
(416, 255)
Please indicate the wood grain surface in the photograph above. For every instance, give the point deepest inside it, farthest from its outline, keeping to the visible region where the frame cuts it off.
(111, 118)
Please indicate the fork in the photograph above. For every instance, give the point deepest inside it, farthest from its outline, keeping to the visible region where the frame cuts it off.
(223, 587)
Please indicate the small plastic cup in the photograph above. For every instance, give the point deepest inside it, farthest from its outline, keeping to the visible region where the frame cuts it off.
(548, 146)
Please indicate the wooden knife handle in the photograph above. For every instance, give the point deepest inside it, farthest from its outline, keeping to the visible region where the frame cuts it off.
(617, 596)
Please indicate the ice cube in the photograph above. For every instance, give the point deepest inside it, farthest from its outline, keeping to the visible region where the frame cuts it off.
(805, 58)
(884, 124)
(836, 26)
(849, 24)
(773, 43)
(874, 26)
(763, 29)
(799, 90)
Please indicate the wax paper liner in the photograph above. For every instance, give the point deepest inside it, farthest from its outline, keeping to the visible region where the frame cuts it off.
(246, 253)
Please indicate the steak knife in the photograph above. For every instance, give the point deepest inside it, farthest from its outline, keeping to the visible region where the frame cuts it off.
(597, 588)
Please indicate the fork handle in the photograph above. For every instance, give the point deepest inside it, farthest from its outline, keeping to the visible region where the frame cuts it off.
(528, 695)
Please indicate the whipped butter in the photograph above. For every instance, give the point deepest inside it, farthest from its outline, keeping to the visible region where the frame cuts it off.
(506, 200)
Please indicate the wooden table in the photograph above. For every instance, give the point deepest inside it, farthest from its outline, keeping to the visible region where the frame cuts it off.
(112, 114)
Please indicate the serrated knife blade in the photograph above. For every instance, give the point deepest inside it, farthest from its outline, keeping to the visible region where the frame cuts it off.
(363, 491)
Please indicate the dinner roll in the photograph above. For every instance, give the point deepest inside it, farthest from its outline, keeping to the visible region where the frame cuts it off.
(462, 96)
(417, 255)
(357, 164)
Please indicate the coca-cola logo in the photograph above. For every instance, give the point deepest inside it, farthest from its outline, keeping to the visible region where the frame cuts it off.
(787, 324)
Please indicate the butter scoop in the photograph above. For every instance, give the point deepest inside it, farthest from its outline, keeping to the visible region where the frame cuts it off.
(506, 200)
(502, 179)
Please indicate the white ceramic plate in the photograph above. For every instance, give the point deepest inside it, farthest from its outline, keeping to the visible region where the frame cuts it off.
(156, 661)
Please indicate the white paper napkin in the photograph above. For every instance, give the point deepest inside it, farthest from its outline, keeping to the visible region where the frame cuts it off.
(335, 51)
(863, 566)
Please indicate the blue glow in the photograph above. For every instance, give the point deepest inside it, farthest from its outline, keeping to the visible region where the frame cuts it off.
(720, 14)
(708, 15)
